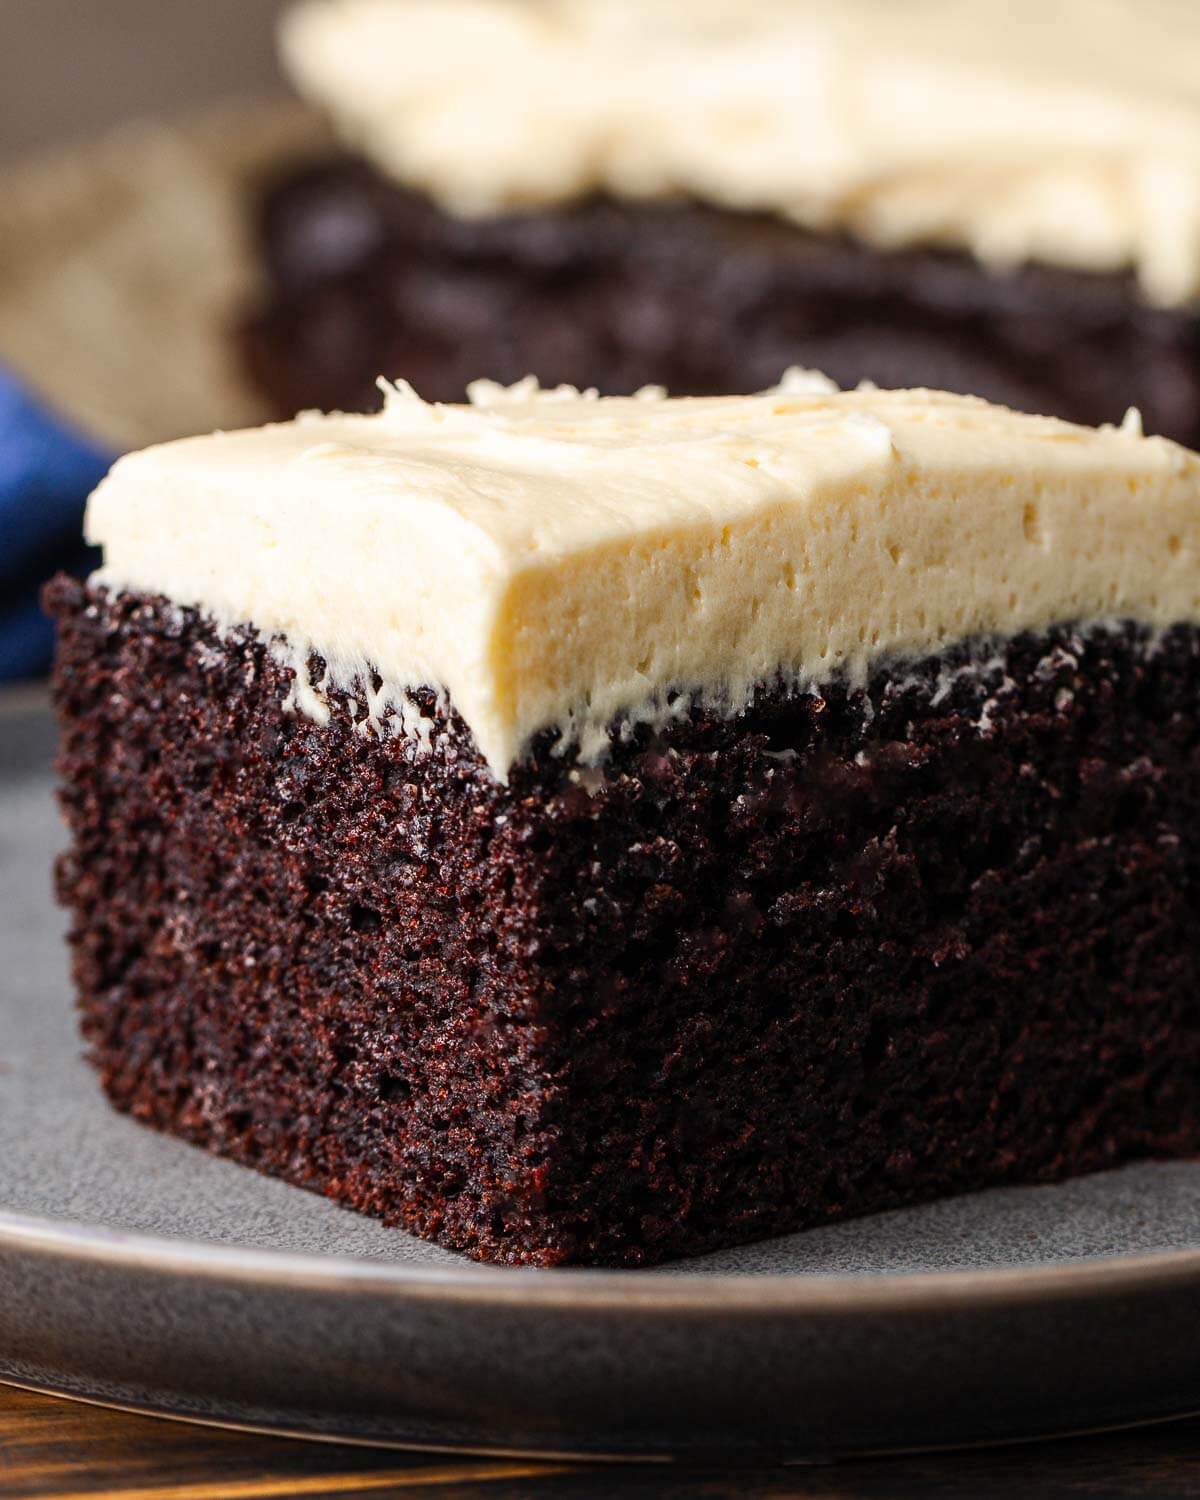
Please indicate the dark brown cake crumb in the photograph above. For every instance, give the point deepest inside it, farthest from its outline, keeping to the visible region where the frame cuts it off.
(832, 955)
(365, 278)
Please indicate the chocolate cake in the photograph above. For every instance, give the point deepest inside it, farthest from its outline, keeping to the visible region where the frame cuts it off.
(589, 831)
(1003, 201)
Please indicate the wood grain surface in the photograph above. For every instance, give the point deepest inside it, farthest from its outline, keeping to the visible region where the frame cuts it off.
(65, 1450)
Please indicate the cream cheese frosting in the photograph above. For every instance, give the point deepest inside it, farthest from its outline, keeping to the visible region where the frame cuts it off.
(547, 559)
(1065, 131)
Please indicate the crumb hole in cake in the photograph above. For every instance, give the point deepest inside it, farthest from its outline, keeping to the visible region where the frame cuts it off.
(844, 926)
(364, 919)
(874, 1048)
(393, 1089)
(1174, 546)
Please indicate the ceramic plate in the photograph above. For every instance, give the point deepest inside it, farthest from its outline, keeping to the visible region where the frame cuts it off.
(138, 1271)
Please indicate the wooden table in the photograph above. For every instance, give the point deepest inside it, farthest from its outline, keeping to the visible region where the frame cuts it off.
(74, 1452)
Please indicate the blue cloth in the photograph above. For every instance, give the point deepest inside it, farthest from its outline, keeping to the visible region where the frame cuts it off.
(47, 471)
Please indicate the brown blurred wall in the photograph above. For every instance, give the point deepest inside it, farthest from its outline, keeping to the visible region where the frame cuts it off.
(70, 67)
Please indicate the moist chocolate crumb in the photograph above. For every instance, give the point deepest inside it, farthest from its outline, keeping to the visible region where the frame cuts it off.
(831, 955)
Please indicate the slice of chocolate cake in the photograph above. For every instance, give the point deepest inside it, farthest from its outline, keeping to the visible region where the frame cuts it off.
(996, 199)
(593, 831)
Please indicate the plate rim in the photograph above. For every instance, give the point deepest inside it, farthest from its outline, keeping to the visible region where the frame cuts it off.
(580, 1288)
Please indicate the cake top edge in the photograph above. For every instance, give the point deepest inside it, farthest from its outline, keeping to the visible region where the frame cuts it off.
(1067, 133)
(517, 456)
(556, 560)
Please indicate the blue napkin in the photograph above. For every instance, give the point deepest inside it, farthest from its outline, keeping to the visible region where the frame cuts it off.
(47, 471)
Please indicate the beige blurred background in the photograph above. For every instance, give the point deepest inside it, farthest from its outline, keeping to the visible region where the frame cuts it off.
(70, 67)
(133, 138)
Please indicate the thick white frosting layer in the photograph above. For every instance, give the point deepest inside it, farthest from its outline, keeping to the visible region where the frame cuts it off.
(1066, 131)
(552, 560)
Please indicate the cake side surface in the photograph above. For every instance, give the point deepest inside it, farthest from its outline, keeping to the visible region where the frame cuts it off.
(832, 953)
(939, 936)
(292, 944)
(552, 561)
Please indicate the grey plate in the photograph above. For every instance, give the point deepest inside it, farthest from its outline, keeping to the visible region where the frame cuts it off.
(138, 1271)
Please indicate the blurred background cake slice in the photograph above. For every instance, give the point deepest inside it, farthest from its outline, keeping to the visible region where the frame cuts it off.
(996, 199)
